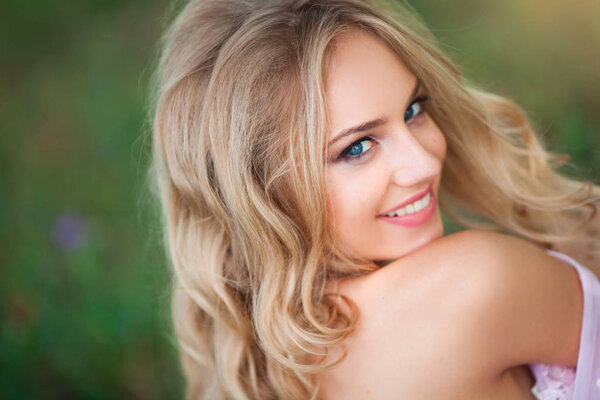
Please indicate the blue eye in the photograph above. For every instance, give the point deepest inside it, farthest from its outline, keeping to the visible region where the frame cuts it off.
(357, 149)
(415, 108)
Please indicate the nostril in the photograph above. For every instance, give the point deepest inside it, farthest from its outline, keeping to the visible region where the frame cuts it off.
(417, 171)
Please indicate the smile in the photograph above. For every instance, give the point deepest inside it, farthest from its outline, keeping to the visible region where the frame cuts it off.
(413, 214)
(412, 207)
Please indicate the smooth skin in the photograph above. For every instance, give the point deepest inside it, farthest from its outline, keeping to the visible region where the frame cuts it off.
(454, 317)
(372, 171)
(458, 319)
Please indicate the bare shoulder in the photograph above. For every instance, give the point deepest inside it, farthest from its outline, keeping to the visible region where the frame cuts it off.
(521, 305)
(460, 311)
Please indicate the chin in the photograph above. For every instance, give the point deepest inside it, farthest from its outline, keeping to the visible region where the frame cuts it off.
(429, 236)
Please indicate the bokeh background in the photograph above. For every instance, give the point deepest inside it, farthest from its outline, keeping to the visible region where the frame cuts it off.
(84, 299)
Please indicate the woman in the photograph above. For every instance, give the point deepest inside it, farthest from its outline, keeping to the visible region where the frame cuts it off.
(303, 150)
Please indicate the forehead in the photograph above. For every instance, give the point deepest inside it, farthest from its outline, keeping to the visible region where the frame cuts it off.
(365, 80)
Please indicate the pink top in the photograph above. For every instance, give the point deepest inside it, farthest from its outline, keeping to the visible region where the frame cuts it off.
(555, 382)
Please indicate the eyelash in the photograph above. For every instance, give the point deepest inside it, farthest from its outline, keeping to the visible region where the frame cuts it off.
(345, 156)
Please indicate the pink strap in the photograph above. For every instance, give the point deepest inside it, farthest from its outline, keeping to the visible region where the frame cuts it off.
(587, 375)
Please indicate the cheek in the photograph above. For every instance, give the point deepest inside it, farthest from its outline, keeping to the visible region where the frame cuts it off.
(438, 145)
(443, 147)
(339, 199)
(334, 193)
(349, 196)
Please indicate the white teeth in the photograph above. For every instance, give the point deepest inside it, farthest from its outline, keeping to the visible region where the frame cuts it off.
(425, 200)
(411, 208)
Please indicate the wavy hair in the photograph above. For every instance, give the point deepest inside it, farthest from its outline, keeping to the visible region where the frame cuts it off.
(239, 128)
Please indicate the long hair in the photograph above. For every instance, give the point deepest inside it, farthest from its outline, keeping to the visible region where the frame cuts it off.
(239, 136)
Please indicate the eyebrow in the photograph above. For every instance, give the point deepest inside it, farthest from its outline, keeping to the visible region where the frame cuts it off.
(365, 126)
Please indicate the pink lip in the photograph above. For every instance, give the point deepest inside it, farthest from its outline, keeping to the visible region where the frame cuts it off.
(408, 201)
(414, 219)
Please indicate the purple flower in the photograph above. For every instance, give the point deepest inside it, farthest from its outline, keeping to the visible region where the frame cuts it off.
(69, 230)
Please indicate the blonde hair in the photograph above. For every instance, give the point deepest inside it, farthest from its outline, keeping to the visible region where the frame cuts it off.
(239, 134)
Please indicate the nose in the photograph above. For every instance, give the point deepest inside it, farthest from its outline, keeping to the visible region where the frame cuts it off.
(413, 160)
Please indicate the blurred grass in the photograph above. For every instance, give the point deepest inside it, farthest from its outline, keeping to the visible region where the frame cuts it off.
(544, 54)
(84, 289)
(84, 296)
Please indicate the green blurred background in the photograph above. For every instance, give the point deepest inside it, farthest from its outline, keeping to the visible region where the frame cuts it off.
(83, 285)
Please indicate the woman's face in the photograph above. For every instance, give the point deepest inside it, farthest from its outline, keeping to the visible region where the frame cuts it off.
(385, 153)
